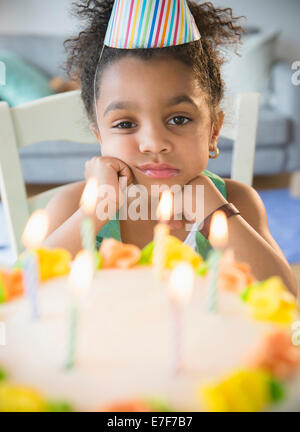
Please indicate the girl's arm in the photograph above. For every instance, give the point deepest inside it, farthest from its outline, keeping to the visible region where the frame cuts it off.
(65, 217)
(249, 234)
(64, 212)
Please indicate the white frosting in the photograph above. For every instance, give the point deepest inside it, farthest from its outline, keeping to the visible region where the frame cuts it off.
(124, 346)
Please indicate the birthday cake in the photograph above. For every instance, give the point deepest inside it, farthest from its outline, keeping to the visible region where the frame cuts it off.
(241, 356)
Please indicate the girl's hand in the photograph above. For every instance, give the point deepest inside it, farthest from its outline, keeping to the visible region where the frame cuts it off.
(108, 171)
(213, 198)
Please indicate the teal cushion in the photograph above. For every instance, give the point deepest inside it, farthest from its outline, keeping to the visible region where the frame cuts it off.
(24, 82)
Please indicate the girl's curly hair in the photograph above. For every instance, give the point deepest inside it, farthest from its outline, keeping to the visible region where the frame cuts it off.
(217, 27)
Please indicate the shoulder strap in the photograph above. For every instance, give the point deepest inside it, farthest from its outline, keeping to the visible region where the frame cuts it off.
(203, 246)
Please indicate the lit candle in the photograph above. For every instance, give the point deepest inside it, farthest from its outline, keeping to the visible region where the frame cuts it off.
(161, 231)
(218, 238)
(79, 280)
(35, 232)
(88, 203)
(181, 284)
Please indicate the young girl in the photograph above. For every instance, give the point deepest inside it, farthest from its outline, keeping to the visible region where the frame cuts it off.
(159, 122)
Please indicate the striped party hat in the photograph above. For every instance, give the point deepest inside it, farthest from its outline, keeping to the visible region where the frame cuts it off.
(150, 24)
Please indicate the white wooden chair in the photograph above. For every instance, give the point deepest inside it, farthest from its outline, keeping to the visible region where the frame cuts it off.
(53, 118)
(240, 125)
(62, 117)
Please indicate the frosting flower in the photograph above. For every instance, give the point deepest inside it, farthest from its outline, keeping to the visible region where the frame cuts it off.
(177, 251)
(15, 398)
(11, 285)
(136, 405)
(234, 276)
(115, 254)
(53, 262)
(276, 353)
(271, 301)
(246, 390)
(132, 405)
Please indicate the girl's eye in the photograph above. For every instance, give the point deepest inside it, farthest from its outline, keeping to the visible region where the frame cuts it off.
(179, 123)
(118, 126)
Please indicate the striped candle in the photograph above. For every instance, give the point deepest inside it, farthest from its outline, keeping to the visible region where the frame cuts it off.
(218, 237)
(79, 281)
(88, 238)
(31, 280)
(161, 232)
(87, 228)
(150, 24)
(180, 289)
(34, 233)
(214, 264)
(74, 315)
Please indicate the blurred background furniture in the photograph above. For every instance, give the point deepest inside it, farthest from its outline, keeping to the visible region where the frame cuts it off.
(278, 136)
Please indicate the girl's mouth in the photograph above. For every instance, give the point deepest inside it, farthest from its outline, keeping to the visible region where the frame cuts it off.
(159, 171)
(166, 173)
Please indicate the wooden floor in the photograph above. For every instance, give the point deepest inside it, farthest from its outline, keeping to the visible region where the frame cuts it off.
(279, 181)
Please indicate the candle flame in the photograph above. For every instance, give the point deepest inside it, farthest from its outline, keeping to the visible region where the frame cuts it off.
(164, 209)
(181, 283)
(36, 229)
(81, 274)
(89, 196)
(218, 233)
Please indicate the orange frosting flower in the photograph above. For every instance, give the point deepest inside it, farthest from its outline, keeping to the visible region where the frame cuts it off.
(234, 276)
(276, 353)
(12, 282)
(131, 405)
(116, 254)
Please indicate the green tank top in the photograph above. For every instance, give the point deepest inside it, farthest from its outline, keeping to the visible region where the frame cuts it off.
(112, 228)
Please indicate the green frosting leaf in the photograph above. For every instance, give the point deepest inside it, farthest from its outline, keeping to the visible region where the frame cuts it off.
(2, 291)
(146, 254)
(159, 405)
(98, 260)
(202, 268)
(277, 390)
(59, 406)
(245, 294)
(3, 374)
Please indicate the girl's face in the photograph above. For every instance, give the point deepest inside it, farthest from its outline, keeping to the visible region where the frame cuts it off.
(155, 112)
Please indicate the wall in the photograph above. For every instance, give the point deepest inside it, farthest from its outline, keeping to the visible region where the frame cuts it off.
(272, 14)
(36, 16)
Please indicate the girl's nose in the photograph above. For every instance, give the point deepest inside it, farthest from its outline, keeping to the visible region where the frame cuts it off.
(154, 143)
